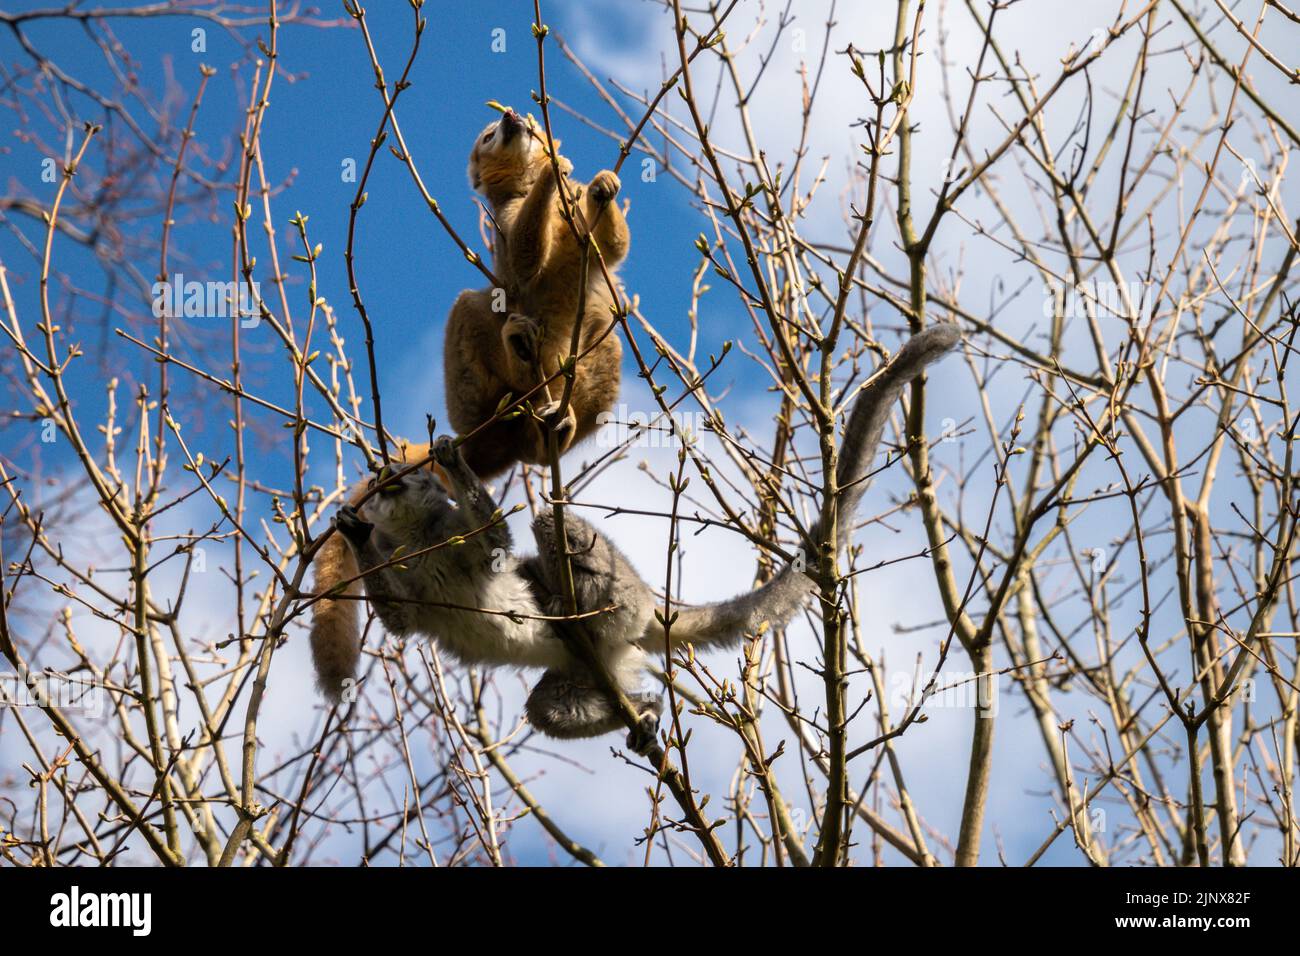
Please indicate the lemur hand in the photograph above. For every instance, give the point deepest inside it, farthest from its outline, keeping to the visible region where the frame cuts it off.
(564, 425)
(604, 187)
(563, 165)
(445, 452)
(352, 526)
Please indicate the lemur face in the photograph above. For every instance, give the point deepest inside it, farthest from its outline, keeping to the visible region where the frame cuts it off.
(506, 157)
(405, 502)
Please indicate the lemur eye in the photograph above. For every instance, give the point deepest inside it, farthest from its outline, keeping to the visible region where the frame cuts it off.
(486, 137)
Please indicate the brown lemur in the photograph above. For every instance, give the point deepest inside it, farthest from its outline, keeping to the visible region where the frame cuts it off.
(489, 354)
(485, 605)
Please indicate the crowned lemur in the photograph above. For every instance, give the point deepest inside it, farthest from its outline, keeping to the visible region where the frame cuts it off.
(442, 566)
(489, 355)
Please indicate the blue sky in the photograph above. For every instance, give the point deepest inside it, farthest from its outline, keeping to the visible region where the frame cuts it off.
(408, 269)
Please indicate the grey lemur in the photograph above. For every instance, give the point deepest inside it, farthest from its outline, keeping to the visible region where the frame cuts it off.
(443, 566)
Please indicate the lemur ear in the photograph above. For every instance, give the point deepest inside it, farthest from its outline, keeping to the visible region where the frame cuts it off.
(412, 453)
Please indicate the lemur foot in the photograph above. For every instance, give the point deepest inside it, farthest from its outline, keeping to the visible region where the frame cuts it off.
(350, 524)
(564, 427)
(521, 334)
(646, 733)
(604, 187)
(445, 453)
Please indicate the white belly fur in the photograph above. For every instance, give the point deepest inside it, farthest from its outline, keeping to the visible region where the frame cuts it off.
(475, 637)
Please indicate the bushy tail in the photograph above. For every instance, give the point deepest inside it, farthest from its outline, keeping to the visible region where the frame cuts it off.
(335, 625)
(777, 600)
(335, 631)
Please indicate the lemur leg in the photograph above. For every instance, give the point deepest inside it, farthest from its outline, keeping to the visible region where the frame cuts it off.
(471, 494)
(595, 390)
(626, 662)
(478, 375)
(570, 701)
(610, 229)
(522, 337)
(569, 704)
(555, 353)
(384, 586)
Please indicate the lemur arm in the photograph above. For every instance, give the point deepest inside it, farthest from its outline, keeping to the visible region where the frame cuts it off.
(530, 235)
(383, 581)
(472, 496)
(599, 206)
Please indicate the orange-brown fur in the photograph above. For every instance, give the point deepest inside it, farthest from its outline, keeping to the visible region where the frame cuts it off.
(335, 624)
(335, 632)
(539, 262)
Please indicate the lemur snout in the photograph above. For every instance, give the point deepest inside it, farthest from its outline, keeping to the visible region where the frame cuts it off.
(512, 125)
(388, 485)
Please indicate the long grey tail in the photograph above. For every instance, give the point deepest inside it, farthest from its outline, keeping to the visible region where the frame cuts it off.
(777, 600)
